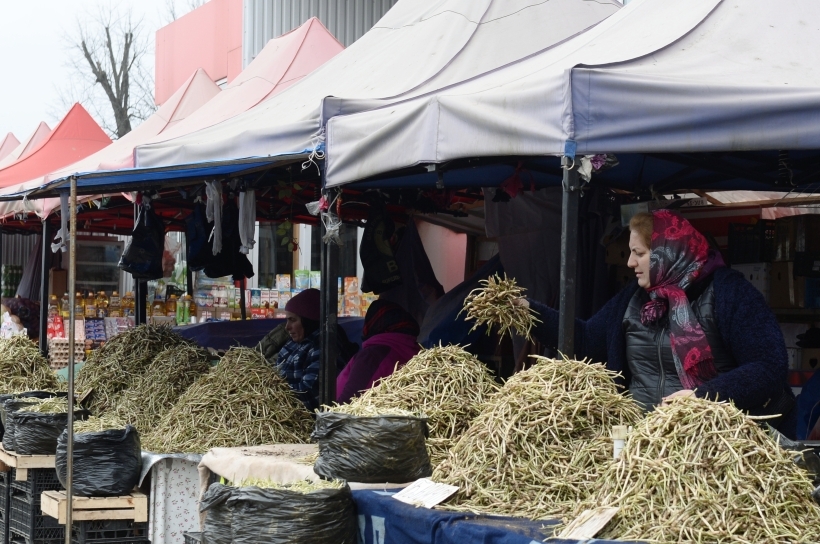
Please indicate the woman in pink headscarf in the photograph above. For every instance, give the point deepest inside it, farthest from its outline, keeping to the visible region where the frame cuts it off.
(688, 325)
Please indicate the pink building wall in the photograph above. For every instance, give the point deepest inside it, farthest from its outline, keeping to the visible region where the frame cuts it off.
(209, 37)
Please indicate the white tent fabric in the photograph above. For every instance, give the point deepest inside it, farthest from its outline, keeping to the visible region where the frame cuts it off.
(40, 133)
(416, 46)
(700, 75)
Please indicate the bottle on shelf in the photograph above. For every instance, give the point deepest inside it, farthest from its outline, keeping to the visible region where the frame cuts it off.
(91, 305)
(79, 306)
(65, 306)
(128, 304)
(53, 306)
(114, 305)
(102, 304)
(171, 306)
(158, 307)
(190, 309)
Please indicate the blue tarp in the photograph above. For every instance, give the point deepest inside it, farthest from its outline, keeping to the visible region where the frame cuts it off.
(384, 520)
(224, 334)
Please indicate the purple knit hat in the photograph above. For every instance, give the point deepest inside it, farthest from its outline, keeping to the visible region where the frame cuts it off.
(305, 304)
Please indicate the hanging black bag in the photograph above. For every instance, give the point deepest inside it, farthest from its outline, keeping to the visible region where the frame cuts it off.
(230, 261)
(381, 270)
(142, 257)
(106, 463)
(199, 251)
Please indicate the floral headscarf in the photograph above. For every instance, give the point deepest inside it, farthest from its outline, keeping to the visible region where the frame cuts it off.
(680, 257)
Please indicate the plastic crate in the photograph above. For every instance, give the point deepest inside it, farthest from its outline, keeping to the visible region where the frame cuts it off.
(752, 243)
(39, 480)
(192, 538)
(27, 524)
(5, 485)
(109, 531)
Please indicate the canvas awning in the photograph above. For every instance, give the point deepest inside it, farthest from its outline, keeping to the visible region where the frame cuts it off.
(8, 145)
(27, 145)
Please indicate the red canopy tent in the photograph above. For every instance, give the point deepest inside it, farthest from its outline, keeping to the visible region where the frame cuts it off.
(74, 138)
(34, 139)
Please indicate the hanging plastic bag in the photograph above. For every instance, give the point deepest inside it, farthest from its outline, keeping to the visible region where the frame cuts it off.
(106, 463)
(381, 270)
(371, 449)
(218, 516)
(230, 261)
(197, 231)
(37, 433)
(280, 516)
(142, 257)
(9, 407)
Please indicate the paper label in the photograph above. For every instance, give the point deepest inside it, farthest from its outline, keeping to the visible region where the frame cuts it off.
(425, 492)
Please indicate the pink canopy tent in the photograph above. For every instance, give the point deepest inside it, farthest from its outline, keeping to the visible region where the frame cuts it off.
(34, 139)
(9, 144)
(283, 61)
(195, 92)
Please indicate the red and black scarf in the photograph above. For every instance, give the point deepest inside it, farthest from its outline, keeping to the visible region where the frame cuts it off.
(680, 257)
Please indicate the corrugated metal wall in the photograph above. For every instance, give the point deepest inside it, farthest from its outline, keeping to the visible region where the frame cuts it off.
(18, 247)
(348, 20)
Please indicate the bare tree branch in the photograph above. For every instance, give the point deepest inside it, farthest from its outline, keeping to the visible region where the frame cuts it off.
(113, 82)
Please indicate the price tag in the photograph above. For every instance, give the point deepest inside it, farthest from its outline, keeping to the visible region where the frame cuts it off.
(425, 492)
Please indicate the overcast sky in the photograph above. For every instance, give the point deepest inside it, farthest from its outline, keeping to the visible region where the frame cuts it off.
(33, 54)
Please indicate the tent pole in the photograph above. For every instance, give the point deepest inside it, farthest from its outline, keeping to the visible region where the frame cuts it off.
(1, 263)
(328, 317)
(242, 307)
(140, 291)
(569, 258)
(72, 294)
(44, 272)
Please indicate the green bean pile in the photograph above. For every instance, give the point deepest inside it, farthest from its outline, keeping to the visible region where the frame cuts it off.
(96, 424)
(111, 369)
(445, 383)
(241, 402)
(301, 486)
(540, 443)
(153, 393)
(701, 471)
(494, 304)
(53, 405)
(23, 368)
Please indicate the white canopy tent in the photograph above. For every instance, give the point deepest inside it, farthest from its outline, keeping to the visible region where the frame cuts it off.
(658, 76)
(418, 45)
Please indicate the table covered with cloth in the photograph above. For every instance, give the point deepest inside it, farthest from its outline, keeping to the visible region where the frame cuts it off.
(384, 520)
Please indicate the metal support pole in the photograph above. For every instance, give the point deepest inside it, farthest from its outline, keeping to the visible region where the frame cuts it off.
(44, 273)
(569, 259)
(1, 263)
(328, 317)
(242, 308)
(72, 294)
(140, 311)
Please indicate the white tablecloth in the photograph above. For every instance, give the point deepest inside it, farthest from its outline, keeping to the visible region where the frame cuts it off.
(174, 495)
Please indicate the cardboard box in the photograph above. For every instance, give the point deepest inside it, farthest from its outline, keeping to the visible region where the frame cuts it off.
(57, 282)
(810, 359)
(786, 291)
(758, 274)
(617, 252)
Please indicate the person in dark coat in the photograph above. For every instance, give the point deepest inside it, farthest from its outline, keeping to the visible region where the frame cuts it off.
(688, 325)
(388, 342)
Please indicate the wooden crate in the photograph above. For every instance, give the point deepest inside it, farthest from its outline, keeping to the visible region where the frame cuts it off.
(9, 459)
(129, 507)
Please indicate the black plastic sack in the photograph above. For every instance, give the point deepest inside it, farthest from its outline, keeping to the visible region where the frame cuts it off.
(371, 449)
(9, 407)
(198, 250)
(230, 261)
(26, 395)
(36, 433)
(279, 516)
(381, 270)
(106, 463)
(217, 528)
(142, 257)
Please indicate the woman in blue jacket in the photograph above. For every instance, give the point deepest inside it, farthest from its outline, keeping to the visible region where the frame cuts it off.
(688, 326)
